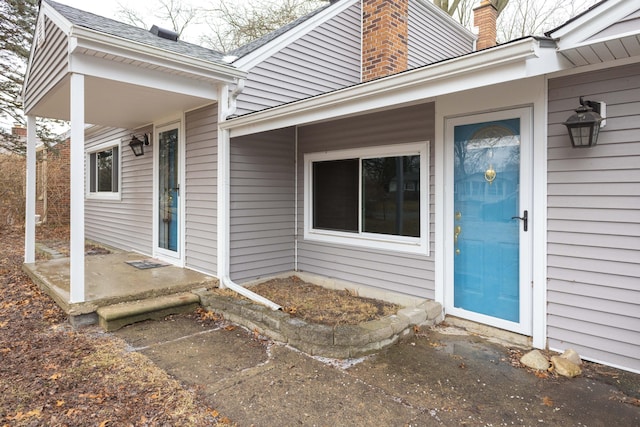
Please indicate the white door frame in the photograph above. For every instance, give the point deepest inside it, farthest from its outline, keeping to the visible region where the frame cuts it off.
(175, 258)
(525, 114)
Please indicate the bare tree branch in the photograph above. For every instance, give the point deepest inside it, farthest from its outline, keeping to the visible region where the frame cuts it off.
(130, 16)
(530, 17)
(517, 18)
(181, 15)
(234, 24)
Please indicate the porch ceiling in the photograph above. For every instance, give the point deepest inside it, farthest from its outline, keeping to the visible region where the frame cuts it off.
(117, 104)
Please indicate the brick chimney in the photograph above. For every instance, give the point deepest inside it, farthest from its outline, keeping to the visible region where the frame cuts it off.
(384, 37)
(485, 17)
(20, 131)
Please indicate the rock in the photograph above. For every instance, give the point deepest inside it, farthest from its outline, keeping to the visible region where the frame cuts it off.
(572, 355)
(536, 360)
(565, 367)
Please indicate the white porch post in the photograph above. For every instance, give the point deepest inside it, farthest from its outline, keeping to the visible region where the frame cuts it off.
(30, 207)
(76, 266)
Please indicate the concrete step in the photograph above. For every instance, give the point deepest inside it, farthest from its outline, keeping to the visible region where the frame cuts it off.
(113, 317)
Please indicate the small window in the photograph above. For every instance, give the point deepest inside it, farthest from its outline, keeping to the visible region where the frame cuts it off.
(103, 172)
(375, 199)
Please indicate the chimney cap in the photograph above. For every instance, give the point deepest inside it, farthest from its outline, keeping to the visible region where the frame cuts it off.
(164, 33)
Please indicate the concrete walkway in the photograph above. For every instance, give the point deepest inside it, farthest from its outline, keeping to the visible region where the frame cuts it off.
(443, 376)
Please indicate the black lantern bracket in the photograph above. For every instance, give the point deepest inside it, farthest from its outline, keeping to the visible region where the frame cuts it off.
(138, 142)
(599, 107)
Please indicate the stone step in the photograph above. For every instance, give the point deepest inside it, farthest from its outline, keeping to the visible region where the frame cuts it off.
(113, 317)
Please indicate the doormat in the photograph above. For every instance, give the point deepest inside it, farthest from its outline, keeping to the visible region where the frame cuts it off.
(145, 264)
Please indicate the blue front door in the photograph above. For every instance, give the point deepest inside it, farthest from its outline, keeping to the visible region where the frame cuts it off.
(486, 258)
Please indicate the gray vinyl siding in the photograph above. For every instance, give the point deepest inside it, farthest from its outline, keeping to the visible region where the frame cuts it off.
(125, 223)
(325, 59)
(434, 36)
(49, 64)
(201, 184)
(594, 221)
(262, 205)
(410, 274)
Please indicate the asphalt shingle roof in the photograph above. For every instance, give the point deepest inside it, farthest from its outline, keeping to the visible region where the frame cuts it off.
(91, 21)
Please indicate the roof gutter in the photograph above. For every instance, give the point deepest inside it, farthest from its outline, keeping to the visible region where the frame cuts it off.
(430, 76)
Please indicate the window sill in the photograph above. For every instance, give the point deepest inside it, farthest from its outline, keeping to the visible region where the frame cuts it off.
(370, 241)
(104, 196)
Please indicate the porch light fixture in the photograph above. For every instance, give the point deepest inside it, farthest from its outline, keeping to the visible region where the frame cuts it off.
(137, 146)
(584, 126)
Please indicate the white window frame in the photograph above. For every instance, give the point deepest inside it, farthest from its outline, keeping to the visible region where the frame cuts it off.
(103, 195)
(387, 242)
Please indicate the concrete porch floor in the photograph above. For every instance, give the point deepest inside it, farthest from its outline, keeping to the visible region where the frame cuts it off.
(110, 280)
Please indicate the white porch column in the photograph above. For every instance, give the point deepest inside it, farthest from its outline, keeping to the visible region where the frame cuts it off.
(77, 183)
(30, 207)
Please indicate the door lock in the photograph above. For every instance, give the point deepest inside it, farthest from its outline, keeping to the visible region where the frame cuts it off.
(456, 232)
(524, 218)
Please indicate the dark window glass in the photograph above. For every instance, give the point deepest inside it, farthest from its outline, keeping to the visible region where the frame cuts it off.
(114, 174)
(105, 170)
(92, 174)
(335, 195)
(391, 195)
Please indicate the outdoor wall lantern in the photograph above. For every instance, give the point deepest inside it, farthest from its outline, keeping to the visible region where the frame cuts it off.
(584, 126)
(137, 146)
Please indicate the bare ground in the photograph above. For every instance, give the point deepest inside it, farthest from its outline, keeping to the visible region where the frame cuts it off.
(53, 375)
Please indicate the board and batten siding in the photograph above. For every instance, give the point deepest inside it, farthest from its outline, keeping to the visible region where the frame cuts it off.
(125, 223)
(594, 221)
(262, 197)
(325, 59)
(410, 274)
(434, 36)
(50, 63)
(201, 189)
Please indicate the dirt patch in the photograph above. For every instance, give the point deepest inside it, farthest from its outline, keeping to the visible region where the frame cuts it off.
(316, 304)
(53, 375)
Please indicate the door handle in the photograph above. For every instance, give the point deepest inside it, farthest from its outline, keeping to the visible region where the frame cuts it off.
(524, 218)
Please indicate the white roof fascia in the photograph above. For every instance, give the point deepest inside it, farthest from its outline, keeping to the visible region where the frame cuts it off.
(264, 52)
(592, 22)
(499, 64)
(90, 39)
(591, 42)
